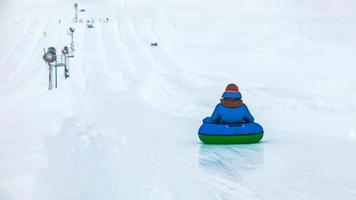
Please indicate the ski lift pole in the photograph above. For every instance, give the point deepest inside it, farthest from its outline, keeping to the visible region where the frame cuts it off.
(50, 57)
(50, 78)
(55, 76)
(71, 33)
(72, 41)
(76, 12)
(65, 53)
(66, 65)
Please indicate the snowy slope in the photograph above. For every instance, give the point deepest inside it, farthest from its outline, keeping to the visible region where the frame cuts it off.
(124, 125)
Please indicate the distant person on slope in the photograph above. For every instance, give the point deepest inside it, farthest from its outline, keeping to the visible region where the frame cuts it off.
(231, 110)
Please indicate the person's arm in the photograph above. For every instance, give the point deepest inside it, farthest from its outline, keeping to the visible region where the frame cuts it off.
(214, 117)
(248, 117)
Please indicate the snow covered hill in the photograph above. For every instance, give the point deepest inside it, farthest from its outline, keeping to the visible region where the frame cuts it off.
(124, 125)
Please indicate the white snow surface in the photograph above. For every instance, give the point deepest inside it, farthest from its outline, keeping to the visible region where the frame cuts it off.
(124, 125)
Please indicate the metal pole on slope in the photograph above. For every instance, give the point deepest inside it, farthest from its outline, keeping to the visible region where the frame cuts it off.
(76, 12)
(65, 67)
(71, 33)
(68, 64)
(65, 53)
(50, 85)
(50, 57)
(56, 76)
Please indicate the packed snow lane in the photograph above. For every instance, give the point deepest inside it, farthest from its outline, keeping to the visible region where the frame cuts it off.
(124, 125)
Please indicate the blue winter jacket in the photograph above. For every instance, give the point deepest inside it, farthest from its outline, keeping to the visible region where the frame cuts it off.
(224, 115)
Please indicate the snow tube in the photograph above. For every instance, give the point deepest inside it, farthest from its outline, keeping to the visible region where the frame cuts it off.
(230, 133)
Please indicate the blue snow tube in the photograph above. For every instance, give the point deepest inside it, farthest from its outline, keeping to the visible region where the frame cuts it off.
(230, 133)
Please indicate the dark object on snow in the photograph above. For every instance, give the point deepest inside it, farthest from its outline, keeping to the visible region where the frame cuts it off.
(52, 50)
(71, 29)
(82, 10)
(50, 55)
(65, 50)
(154, 44)
(90, 25)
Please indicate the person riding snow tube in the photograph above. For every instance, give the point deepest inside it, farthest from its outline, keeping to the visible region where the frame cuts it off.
(231, 121)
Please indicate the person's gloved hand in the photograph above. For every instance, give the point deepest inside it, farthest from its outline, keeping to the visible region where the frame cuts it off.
(207, 120)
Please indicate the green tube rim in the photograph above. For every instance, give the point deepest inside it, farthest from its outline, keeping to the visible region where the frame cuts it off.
(231, 139)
